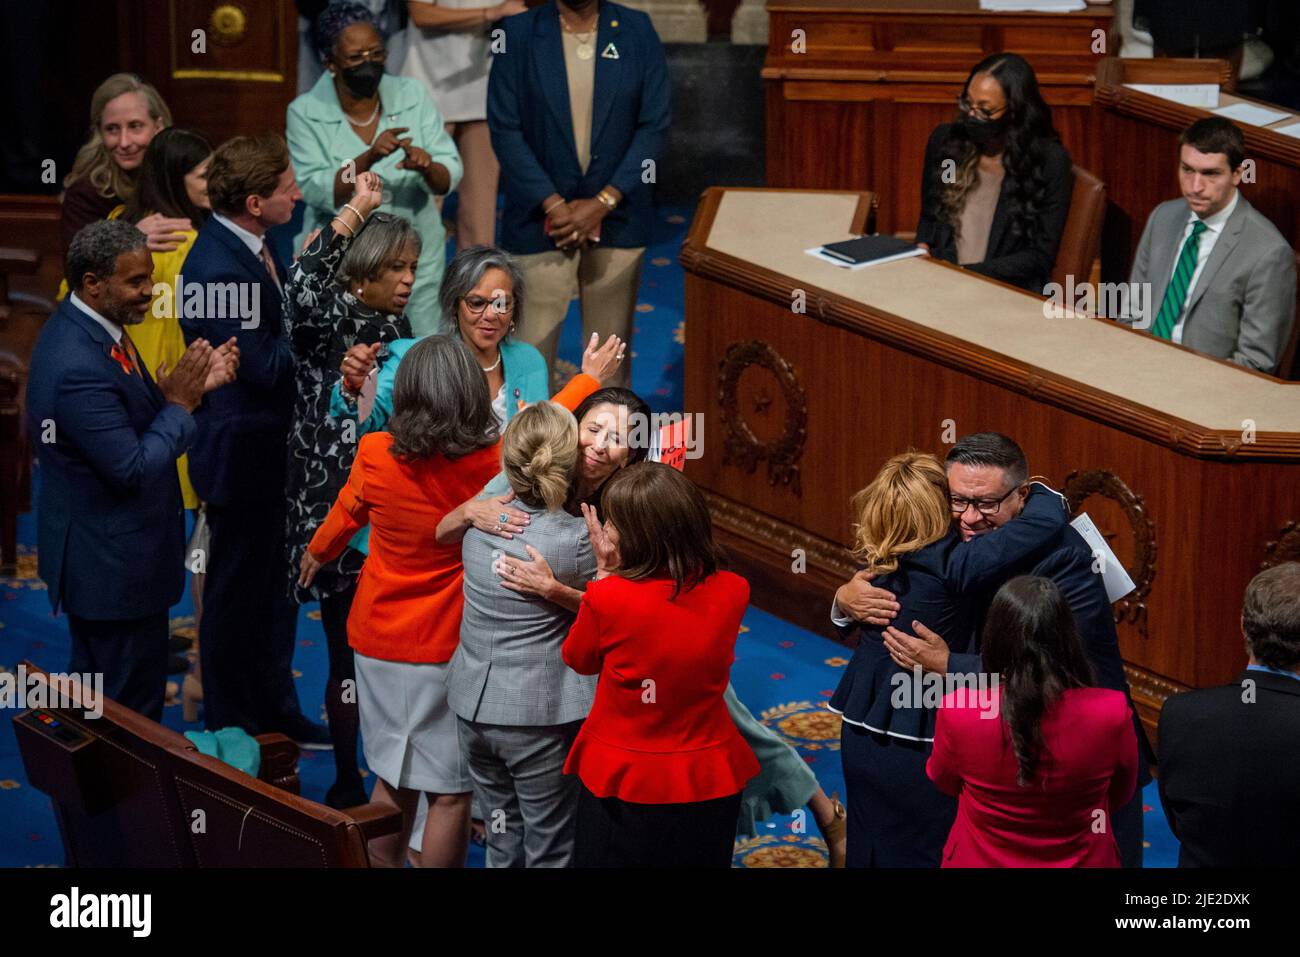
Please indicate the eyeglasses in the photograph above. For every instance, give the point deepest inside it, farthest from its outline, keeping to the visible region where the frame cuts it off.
(377, 55)
(966, 106)
(985, 506)
(501, 305)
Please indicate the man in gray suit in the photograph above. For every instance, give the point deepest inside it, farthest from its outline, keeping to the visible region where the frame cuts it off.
(1222, 278)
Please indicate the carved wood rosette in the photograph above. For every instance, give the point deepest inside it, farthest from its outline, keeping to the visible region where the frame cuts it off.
(1286, 547)
(1140, 547)
(772, 383)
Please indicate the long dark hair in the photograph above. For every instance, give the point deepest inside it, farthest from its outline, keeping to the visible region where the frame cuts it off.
(1027, 131)
(440, 402)
(160, 186)
(1030, 642)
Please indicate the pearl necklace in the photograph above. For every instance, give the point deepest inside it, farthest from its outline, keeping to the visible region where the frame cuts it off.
(370, 119)
(493, 365)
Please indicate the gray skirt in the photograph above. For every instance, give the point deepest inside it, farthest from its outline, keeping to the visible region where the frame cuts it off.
(408, 733)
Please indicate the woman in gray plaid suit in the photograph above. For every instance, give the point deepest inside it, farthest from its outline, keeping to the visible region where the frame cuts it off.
(519, 705)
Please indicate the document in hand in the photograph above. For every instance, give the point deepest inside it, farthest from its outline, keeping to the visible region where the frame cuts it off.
(865, 251)
(1113, 575)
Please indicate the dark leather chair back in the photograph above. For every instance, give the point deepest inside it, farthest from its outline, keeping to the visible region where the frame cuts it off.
(234, 820)
(110, 781)
(1081, 238)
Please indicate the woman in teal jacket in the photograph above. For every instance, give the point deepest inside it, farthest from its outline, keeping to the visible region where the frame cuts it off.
(358, 118)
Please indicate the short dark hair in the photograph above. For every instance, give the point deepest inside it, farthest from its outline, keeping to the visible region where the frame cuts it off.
(440, 402)
(663, 525)
(1270, 616)
(991, 449)
(96, 246)
(615, 395)
(1214, 134)
(245, 166)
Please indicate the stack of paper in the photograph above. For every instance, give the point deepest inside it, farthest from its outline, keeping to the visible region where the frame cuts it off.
(1203, 95)
(1251, 114)
(1033, 6)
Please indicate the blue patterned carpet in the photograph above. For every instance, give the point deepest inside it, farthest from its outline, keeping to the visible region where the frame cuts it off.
(783, 674)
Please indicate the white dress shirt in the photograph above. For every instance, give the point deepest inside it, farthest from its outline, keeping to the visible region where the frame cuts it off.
(1213, 228)
(255, 242)
(112, 329)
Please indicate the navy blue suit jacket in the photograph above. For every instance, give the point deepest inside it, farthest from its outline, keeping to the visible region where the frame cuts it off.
(532, 125)
(239, 453)
(1069, 564)
(110, 524)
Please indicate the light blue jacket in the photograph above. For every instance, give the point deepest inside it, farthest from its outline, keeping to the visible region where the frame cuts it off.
(527, 381)
(321, 140)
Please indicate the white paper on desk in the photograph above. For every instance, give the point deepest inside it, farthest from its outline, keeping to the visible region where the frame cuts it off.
(1113, 575)
(1033, 6)
(1250, 114)
(816, 253)
(1202, 95)
(1291, 129)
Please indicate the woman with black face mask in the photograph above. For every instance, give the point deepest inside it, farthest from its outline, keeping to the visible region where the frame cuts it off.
(357, 119)
(997, 182)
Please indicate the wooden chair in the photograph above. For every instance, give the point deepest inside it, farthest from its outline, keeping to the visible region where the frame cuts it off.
(129, 792)
(1081, 237)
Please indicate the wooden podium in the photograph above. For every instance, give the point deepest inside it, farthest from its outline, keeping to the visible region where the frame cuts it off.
(852, 105)
(810, 376)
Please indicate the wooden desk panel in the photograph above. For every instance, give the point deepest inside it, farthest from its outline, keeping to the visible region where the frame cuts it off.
(802, 409)
(855, 109)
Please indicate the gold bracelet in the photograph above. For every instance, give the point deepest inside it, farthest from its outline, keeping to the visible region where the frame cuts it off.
(558, 202)
(607, 199)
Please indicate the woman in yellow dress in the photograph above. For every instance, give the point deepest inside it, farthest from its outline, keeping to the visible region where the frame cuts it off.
(173, 182)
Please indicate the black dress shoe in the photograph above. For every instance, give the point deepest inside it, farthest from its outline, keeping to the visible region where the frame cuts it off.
(307, 734)
(341, 796)
(179, 643)
(177, 664)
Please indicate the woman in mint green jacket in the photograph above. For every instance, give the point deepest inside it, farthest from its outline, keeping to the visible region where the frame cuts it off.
(358, 118)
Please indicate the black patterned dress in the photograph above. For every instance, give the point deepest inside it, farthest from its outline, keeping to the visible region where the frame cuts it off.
(323, 320)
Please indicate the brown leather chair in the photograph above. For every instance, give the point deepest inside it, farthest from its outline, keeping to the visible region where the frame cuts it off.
(1081, 238)
(129, 792)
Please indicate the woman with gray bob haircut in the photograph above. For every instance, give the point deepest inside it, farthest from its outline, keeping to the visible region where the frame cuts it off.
(350, 285)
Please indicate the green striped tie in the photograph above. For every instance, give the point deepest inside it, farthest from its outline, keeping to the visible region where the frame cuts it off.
(1176, 291)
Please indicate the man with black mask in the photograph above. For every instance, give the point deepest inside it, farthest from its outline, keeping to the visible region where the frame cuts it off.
(996, 184)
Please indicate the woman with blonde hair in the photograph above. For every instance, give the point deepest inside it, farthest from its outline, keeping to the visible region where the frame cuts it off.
(904, 535)
(519, 706)
(125, 115)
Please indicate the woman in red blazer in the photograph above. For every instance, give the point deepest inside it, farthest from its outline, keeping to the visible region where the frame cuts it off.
(1041, 764)
(661, 763)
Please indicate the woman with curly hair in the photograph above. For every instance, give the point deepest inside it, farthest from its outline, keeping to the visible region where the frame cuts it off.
(996, 185)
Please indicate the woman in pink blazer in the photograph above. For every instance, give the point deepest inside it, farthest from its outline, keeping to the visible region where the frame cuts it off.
(1040, 764)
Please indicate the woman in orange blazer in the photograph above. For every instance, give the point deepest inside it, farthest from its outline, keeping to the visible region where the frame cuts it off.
(1040, 764)
(661, 763)
(442, 446)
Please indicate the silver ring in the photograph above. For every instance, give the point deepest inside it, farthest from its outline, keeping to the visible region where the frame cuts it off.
(500, 527)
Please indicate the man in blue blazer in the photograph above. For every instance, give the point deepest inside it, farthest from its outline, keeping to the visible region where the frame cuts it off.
(110, 524)
(578, 105)
(988, 478)
(237, 465)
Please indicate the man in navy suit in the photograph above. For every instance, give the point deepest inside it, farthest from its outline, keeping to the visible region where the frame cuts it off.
(578, 105)
(988, 481)
(237, 465)
(110, 524)
(1229, 778)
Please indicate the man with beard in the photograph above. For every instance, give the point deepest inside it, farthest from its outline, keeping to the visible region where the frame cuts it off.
(110, 524)
(988, 482)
